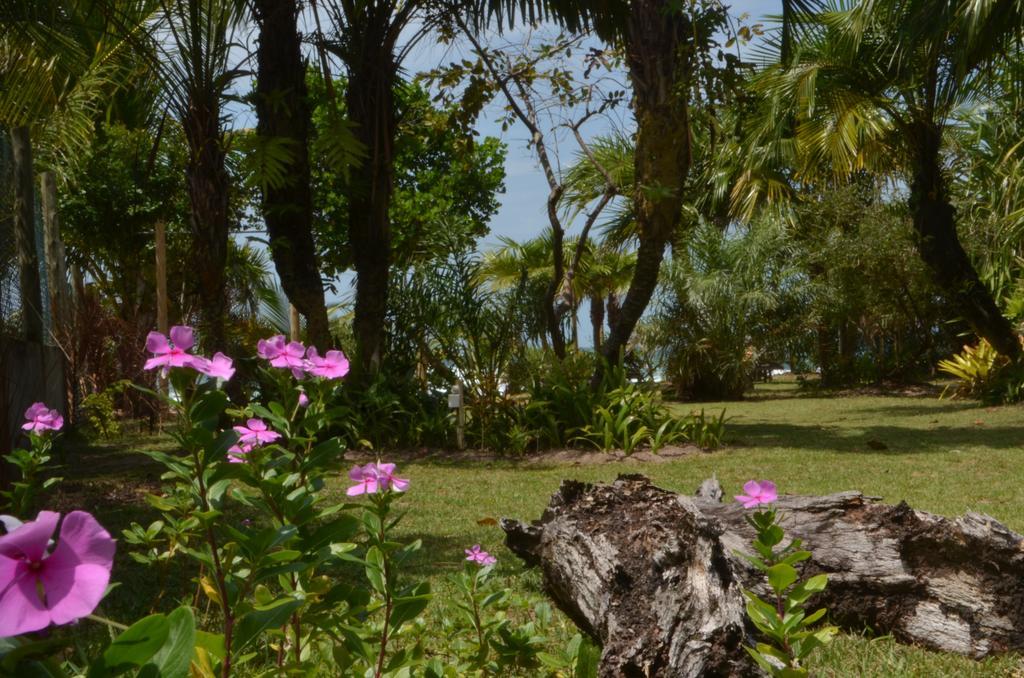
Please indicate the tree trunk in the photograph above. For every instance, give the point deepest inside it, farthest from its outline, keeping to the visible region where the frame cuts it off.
(937, 240)
(371, 107)
(659, 69)
(208, 187)
(597, 319)
(25, 235)
(282, 106)
(655, 577)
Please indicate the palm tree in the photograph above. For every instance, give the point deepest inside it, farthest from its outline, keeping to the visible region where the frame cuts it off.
(283, 109)
(190, 49)
(875, 86)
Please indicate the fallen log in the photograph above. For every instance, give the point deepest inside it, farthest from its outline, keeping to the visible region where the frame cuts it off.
(653, 575)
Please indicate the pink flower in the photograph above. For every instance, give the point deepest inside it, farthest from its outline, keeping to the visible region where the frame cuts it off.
(170, 354)
(39, 418)
(303, 399)
(39, 586)
(365, 479)
(256, 433)
(757, 492)
(476, 555)
(333, 365)
(281, 354)
(219, 366)
(387, 479)
(236, 453)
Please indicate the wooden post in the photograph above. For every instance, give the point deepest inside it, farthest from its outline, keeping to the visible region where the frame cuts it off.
(161, 277)
(457, 403)
(295, 323)
(53, 251)
(25, 235)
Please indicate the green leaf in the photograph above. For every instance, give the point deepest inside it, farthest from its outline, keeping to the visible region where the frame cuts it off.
(212, 643)
(134, 647)
(587, 659)
(251, 625)
(781, 576)
(175, 656)
(375, 569)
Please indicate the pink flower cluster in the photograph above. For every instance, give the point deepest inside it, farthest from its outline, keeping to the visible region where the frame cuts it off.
(374, 478)
(174, 352)
(479, 556)
(39, 419)
(40, 585)
(292, 355)
(757, 492)
(254, 434)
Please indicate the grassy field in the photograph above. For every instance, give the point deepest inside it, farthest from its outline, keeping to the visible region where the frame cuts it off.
(941, 456)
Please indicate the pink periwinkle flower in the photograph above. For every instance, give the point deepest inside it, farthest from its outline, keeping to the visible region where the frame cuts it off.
(757, 492)
(387, 479)
(173, 353)
(332, 365)
(303, 399)
(365, 479)
(40, 586)
(479, 556)
(39, 418)
(236, 453)
(218, 367)
(374, 478)
(288, 355)
(256, 433)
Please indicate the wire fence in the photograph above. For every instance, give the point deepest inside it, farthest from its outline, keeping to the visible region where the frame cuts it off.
(29, 372)
(12, 307)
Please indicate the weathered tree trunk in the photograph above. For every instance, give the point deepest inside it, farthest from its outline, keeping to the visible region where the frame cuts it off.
(657, 592)
(369, 99)
(282, 107)
(208, 189)
(935, 225)
(654, 577)
(25, 235)
(660, 70)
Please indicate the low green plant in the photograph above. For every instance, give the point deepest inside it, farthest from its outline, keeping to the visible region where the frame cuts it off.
(788, 631)
(983, 373)
(704, 431)
(98, 412)
(42, 426)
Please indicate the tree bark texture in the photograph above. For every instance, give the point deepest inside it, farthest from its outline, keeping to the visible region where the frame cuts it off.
(654, 576)
(208, 188)
(935, 226)
(369, 99)
(660, 69)
(282, 106)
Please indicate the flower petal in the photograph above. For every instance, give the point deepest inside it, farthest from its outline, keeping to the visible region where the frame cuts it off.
(82, 535)
(182, 337)
(23, 609)
(31, 539)
(157, 343)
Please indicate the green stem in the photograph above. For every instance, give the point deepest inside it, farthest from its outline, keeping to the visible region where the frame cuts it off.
(108, 622)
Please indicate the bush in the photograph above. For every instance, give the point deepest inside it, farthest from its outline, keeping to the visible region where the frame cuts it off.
(984, 374)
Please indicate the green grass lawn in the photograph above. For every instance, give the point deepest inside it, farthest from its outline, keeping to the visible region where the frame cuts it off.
(940, 456)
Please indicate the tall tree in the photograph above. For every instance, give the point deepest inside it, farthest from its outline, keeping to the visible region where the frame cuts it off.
(663, 45)
(874, 85)
(192, 54)
(283, 109)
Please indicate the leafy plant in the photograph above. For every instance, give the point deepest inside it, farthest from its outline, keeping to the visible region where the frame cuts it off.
(788, 629)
